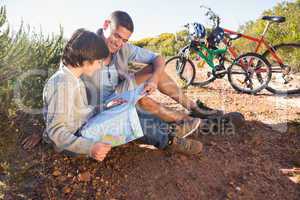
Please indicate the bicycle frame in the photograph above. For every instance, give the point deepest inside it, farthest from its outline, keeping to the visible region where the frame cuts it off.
(211, 53)
(260, 41)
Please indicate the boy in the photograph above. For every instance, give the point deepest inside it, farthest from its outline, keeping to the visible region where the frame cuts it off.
(64, 97)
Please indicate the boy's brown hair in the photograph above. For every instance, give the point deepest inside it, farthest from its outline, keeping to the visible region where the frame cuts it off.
(84, 46)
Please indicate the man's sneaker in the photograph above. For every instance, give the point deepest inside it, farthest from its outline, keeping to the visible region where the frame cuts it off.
(186, 146)
(202, 111)
(228, 122)
(185, 128)
(236, 118)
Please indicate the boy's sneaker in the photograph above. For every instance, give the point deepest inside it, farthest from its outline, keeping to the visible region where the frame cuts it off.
(185, 128)
(186, 146)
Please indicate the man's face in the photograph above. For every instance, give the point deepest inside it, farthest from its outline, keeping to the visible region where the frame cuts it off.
(116, 37)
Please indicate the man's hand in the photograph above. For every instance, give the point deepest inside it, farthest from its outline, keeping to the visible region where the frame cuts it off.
(100, 150)
(150, 86)
(115, 102)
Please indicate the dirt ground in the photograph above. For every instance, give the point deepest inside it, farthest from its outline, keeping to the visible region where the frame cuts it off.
(243, 165)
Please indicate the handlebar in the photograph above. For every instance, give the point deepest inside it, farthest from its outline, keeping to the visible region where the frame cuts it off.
(187, 27)
(212, 16)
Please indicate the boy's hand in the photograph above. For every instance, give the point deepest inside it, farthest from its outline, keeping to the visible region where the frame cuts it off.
(115, 102)
(31, 141)
(100, 150)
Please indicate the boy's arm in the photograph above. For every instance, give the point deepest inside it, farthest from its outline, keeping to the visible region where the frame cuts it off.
(58, 107)
(66, 140)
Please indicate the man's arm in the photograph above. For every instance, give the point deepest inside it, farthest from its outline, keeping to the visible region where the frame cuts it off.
(141, 55)
(158, 67)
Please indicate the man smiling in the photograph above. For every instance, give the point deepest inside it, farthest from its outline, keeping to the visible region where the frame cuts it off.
(116, 31)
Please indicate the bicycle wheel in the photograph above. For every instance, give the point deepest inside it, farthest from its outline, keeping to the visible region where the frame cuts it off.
(181, 70)
(204, 73)
(286, 77)
(249, 73)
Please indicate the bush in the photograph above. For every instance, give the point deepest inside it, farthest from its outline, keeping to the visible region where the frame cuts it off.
(27, 60)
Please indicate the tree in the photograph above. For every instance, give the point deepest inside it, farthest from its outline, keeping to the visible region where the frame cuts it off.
(286, 32)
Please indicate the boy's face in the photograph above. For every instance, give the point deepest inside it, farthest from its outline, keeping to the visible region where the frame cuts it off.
(116, 37)
(90, 68)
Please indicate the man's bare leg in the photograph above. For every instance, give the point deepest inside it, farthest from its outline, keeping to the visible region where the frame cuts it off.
(150, 105)
(166, 86)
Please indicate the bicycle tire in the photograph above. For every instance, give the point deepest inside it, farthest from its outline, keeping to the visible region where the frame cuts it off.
(274, 85)
(188, 80)
(244, 72)
(204, 74)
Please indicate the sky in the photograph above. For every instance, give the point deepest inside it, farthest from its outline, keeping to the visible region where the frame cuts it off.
(150, 18)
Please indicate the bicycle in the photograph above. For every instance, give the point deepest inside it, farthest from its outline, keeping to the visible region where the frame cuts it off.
(248, 73)
(284, 58)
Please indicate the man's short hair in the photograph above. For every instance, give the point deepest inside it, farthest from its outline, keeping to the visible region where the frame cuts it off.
(84, 46)
(121, 18)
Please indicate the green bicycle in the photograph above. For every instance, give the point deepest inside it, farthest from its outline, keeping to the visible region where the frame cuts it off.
(248, 73)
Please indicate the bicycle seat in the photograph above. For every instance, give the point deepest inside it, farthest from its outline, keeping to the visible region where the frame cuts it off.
(277, 19)
(232, 36)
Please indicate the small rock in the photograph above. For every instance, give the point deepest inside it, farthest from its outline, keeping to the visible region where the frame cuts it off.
(56, 173)
(98, 194)
(66, 190)
(2, 171)
(257, 140)
(76, 186)
(85, 176)
(213, 143)
(62, 178)
(244, 178)
(183, 158)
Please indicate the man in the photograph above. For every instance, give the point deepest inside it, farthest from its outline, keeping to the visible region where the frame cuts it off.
(116, 31)
(116, 76)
